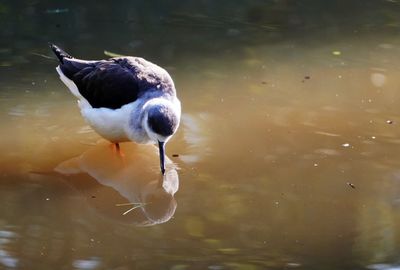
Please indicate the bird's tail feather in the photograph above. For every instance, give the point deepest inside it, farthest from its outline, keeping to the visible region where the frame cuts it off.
(59, 53)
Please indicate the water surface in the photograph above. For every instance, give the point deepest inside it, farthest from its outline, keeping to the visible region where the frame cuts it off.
(286, 157)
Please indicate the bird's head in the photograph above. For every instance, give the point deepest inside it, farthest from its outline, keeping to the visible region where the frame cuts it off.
(161, 122)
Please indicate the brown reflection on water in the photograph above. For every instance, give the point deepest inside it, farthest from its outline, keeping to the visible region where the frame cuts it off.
(288, 157)
(128, 180)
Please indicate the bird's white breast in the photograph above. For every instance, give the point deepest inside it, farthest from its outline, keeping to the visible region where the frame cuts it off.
(108, 123)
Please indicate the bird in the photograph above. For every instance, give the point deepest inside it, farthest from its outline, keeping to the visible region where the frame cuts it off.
(123, 98)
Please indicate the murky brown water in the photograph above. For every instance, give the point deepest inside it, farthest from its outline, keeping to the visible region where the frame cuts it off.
(287, 157)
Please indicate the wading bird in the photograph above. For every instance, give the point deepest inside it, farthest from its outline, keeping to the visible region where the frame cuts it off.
(123, 98)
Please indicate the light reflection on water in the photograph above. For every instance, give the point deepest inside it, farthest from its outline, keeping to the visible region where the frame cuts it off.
(6, 258)
(287, 157)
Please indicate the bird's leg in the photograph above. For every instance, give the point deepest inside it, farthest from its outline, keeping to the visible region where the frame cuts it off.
(120, 154)
(117, 149)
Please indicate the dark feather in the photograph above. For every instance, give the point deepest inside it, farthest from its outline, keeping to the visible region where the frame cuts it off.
(115, 82)
(103, 84)
(162, 121)
(59, 53)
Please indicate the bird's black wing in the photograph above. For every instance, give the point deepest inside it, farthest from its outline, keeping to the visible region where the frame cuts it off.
(105, 84)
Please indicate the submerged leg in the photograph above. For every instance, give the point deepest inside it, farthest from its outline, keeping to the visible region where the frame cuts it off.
(117, 149)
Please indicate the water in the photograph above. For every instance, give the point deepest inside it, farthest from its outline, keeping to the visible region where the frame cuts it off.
(286, 158)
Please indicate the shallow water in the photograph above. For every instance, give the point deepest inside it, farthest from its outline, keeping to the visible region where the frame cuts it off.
(286, 157)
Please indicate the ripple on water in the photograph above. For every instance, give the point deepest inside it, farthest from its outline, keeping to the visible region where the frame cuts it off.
(327, 134)
(91, 263)
(383, 266)
(18, 110)
(42, 112)
(84, 130)
(7, 234)
(327, 151)
(6, 259)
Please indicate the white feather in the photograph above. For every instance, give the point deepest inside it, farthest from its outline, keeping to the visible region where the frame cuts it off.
(69, 83)
(109, 123)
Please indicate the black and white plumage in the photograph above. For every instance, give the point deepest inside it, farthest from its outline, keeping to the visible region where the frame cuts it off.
(123, 98)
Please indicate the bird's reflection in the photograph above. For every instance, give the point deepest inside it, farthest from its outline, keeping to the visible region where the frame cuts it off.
(137, 181)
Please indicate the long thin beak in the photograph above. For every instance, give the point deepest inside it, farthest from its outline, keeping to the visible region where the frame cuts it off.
(161, 148)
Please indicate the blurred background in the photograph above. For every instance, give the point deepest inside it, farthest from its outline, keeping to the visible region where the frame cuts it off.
(177, 30)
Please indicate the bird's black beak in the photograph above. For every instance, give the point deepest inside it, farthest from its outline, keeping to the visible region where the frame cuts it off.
(161, 148)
